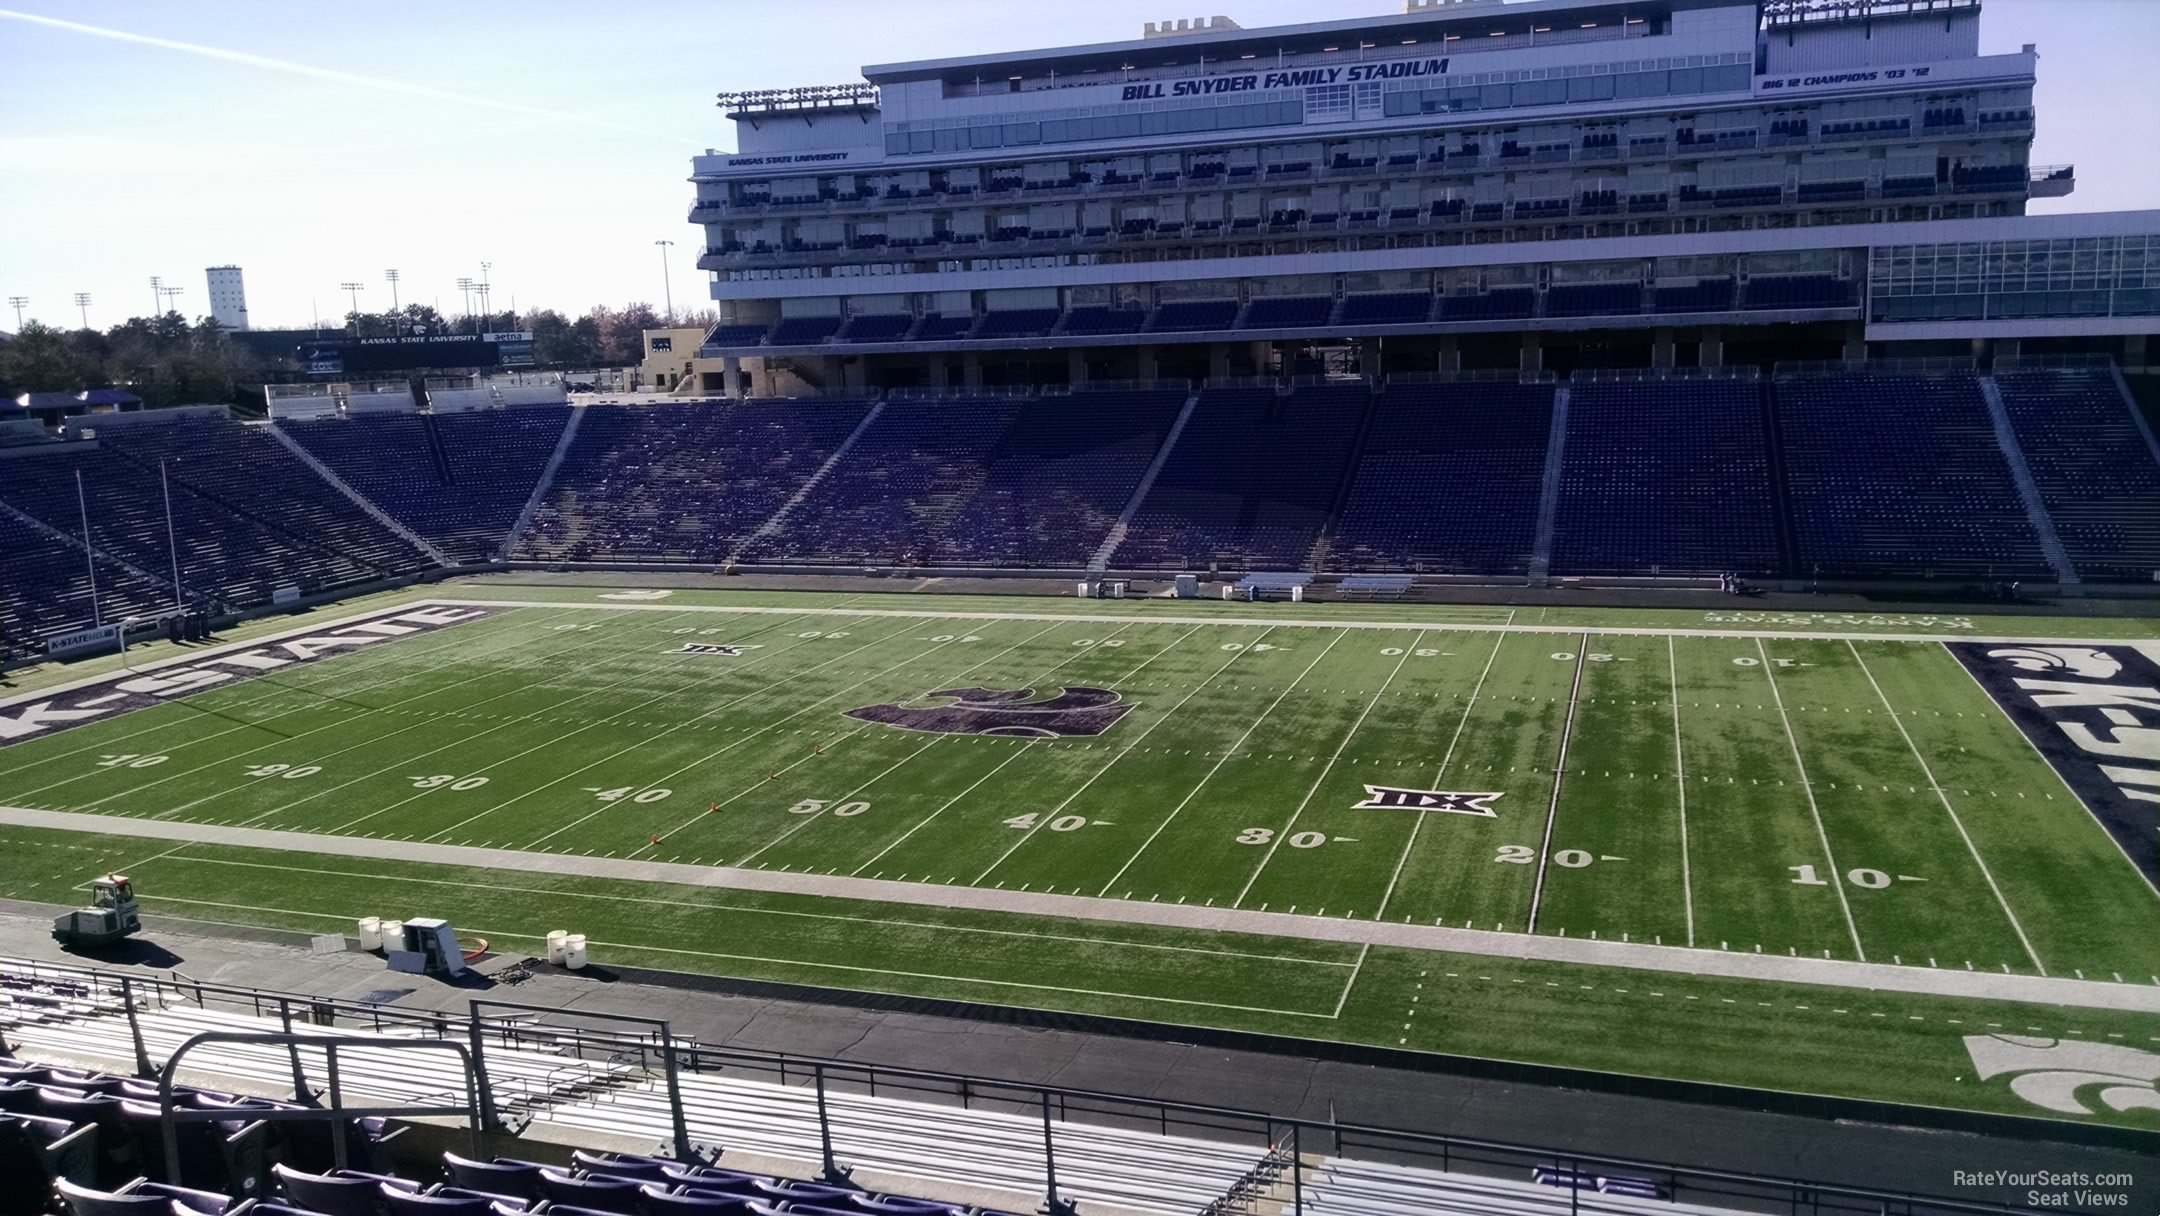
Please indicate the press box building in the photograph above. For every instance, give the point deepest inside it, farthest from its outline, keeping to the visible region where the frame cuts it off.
(1554, 184)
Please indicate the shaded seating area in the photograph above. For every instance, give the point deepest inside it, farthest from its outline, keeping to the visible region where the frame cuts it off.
(2093, 467)
(1250, 483)
(1899, 476)
(459, 480)
(684, 481)
(1447, 481)
(1665, 477)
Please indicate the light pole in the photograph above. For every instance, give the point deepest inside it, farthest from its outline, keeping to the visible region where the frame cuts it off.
(392, 276)
(82, 301)
(157, 295)
(465, 286)
(165, 296)
(353, 290)
(665, 286)
(488, 321)
(172, 545)
(18, 302)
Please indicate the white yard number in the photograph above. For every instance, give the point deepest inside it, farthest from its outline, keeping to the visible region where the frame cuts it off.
(131, 760)
(631, 792)
(1515, 854)
(285, 771)
(1110, 642)
(950, 637)
(1303, 840)
(1568, 656)
(1864, 878)
(1256, 647)
(812, 633)
(1423, 652)
(449, 781)
(576, 628)
(1063, 823)
(811, 806)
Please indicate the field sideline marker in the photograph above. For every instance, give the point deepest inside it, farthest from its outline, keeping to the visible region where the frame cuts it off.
(2031, 989)
(1450, 626)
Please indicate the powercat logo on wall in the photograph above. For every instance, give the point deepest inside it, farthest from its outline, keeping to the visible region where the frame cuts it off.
(43, 714)
(2094, 712)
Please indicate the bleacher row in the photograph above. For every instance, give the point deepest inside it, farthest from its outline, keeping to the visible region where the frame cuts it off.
(81, 1131)
(1881, 476)
(1414, 308)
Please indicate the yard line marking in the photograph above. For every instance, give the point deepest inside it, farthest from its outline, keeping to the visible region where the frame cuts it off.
(540, 714)
(272, 689)
(1276, 841)
(655, 783)
(1807, 787)
(805, 821)
(755, 910)
(1559, 775)
(1445, 760)
(505, 935)
(1943, 796)
(2015, 729)
(243, 726)
(1687, 885)
(1221, 760)
(1351, 982)
(860, 730)
(1018, 752)
(1028, 835)
(1678, 960)
(425, 720)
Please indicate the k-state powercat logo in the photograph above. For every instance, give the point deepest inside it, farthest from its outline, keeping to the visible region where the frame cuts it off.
(2052, 1072)
(1005, 711)
(30, 717)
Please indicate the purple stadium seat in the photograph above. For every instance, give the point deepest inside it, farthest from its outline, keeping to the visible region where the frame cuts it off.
(602, 1194)
(660, 1201)
(503, 1175)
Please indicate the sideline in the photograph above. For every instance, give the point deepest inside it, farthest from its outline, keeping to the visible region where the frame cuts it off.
(1926, 981)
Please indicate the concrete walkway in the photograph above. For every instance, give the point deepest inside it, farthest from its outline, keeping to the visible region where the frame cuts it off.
(1928, 981)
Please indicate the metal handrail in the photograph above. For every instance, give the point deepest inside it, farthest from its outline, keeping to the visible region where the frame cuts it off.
(170, 1117)
(1451, 1151)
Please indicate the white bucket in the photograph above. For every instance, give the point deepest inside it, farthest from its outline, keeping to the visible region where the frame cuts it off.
(370, 933)
(555, 941)
(393, 935)
(574, 951)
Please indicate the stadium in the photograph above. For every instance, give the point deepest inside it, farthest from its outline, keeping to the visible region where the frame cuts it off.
(1536, 607)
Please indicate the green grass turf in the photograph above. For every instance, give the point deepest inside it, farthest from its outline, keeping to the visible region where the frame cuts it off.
(1791, 1037)
(572, 726)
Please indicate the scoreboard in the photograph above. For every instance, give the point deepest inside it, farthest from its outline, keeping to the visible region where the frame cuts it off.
(415, 353)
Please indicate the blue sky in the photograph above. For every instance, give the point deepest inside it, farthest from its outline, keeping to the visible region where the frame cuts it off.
(552, 138)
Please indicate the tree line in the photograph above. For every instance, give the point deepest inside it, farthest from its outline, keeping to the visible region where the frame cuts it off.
(170, 360)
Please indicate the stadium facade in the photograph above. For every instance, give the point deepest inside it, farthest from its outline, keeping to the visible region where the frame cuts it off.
(1547, 185)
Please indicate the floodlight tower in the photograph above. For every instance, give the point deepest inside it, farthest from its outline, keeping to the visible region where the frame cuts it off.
(665, 286)
(466, 285)
(353, 290)
(82, 301)
(392, 276)
(157, 294)
(482, 285)
(165, 298)
(17, 303)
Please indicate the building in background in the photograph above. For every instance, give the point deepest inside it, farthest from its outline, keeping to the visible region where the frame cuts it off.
(228, 297)
(1470, 185)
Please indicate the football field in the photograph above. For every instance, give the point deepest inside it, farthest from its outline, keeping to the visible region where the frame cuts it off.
(1850, 792)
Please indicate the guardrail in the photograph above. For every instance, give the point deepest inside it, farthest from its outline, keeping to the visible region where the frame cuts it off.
(1288, 1149)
